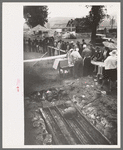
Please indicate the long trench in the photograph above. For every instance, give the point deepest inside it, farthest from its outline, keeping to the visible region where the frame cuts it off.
(76, 131)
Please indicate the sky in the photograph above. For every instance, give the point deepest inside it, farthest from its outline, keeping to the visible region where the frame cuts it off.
(76, 10)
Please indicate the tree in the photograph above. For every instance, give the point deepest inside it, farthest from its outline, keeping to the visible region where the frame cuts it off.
(96, 16)
(35, 15)
(83, 25)
(80, 24)
(71, 24)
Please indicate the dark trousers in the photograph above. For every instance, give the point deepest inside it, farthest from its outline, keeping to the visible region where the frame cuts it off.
(49, 51)
(88, 67)
(78, 68)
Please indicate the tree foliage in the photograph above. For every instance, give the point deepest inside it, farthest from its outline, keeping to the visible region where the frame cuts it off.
(97, 14)
(81, 24)
(95, 17)
(35, 15)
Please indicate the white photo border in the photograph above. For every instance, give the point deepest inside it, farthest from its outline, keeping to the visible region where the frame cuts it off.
(12, 64)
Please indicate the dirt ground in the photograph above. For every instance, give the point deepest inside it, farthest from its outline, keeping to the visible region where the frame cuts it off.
(99, 109)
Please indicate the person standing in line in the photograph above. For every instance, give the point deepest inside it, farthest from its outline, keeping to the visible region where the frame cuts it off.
(26, 45)
(83, 42)
(48, 44)
(87, 66)
(58, 47)
(70, 62)
(67, 47)
(29, 44)
(99, 54)
(33, 46)
(92, 48)
(110, 69)
(35, 43)
(44, 45)
(76, 47)
(37, 46)
(71, 45)
(52, 45)
(106, 52)
(55, 45)
(62, 47)
(79, 46)
(77, 60)
(40, 45)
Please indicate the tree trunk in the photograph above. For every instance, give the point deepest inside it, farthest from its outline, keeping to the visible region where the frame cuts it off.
(93, 34)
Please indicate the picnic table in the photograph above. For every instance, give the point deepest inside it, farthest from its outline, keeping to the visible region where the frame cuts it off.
(100, 66)
(97, 63)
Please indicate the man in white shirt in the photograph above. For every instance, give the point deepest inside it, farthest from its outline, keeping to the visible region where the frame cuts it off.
(111, 61)
(78, 63)
(110, 71)
(76, 47)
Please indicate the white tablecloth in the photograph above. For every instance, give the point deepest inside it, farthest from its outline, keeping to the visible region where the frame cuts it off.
(98, 63)
(100, 66)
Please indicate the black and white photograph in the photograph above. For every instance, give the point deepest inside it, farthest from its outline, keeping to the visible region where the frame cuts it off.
(71, 74)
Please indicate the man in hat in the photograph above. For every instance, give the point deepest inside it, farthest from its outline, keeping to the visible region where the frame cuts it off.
(110, 70)
(70, 61)
(92, 48)
(83, 42)
(80, 47)
(106, 52)
(76, 47)
(58, 47)
(71, 44)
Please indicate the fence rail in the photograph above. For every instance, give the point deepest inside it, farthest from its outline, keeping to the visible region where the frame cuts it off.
(51, 50)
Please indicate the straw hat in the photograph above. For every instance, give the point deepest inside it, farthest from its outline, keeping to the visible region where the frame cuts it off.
(113, 53)
(71, 42)
(71, 49)
(84, 46)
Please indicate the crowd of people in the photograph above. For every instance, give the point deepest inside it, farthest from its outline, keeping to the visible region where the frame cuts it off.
(80, 54)
(36, 45)
(81, 59)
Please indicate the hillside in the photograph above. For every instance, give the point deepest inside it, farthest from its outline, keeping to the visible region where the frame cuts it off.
(58, 20)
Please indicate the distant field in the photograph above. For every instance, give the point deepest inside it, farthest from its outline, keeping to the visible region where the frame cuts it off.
(80, 37)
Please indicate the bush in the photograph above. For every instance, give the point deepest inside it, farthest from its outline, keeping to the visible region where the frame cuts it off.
(112, 30)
